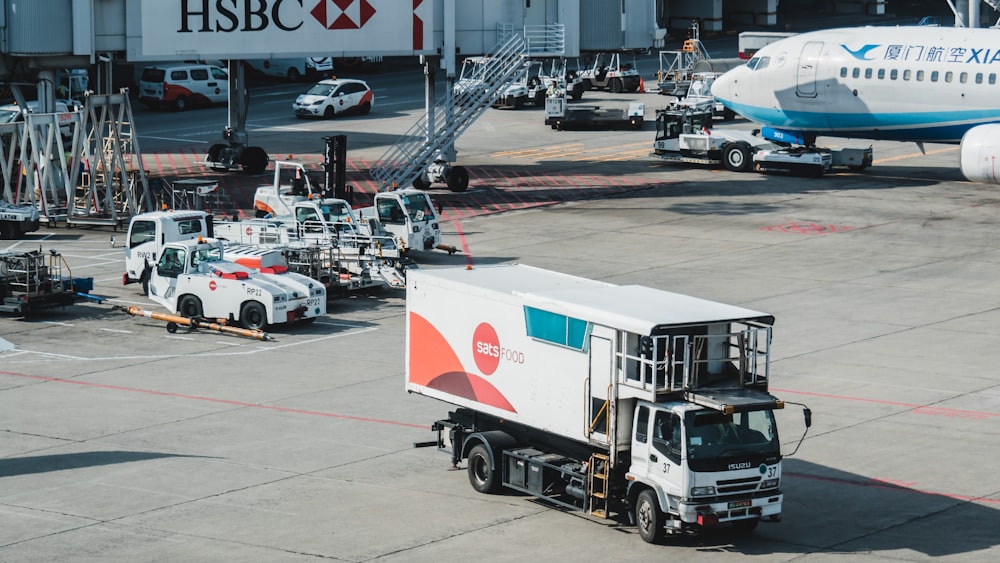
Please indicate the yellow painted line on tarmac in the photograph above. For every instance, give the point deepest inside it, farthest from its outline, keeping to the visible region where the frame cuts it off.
(530, 151)
(916, 154)
(598, 153)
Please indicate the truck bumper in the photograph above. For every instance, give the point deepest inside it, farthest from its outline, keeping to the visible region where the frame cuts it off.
(767, 506)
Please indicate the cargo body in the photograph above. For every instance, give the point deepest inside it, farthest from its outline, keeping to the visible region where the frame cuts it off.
(609, 399)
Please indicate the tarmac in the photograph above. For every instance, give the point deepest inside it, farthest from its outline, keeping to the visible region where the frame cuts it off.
(120, 441)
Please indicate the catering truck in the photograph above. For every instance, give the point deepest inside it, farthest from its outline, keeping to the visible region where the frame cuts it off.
(621, 401)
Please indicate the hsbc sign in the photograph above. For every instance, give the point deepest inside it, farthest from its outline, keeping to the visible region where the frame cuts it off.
(243, 29)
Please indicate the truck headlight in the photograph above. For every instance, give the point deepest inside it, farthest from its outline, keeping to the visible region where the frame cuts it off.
(703, 491)
(769, 484)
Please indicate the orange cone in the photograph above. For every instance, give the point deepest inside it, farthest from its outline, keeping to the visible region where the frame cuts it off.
(642, 87)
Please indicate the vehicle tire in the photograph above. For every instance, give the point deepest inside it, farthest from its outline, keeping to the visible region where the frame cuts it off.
(736, 157)
(328, 113)
(365, 109)
(458, 179)
(253, 316)
(519, 102)
(745, 526)
(181, 103)
(144, 279)
(482, 476)
(254, 160)
(616, 86)
(649, 518)
(587, 84)
(577, 92)
(189, 306)
(294, 75)
(420, 183)
(540, 99)
(215, 151)
(728, 114)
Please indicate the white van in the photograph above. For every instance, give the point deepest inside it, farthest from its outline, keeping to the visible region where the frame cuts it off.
(183, 86)
(14, 113)
(311, 68)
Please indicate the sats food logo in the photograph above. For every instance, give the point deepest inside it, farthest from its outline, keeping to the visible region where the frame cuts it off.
(488, 352)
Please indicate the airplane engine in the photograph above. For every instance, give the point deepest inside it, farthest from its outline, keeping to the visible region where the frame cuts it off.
(979, 154)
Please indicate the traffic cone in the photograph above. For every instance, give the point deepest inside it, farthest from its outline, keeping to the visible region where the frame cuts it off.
(642, 87)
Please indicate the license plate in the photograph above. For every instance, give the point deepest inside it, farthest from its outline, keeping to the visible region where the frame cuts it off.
(741, 503)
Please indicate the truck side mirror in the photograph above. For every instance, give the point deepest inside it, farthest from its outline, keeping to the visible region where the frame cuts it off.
(808, 417)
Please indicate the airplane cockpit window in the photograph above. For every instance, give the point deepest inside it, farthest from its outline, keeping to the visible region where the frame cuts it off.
(758, 63)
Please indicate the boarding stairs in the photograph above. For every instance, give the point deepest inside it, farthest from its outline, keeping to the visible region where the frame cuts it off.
(436, 132)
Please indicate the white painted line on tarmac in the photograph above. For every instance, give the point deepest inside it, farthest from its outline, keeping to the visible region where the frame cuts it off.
(117, 330)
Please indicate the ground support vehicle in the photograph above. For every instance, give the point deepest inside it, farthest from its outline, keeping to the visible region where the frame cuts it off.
(621, 401)
(16, 220)
(684, 136)
(528, 88)
(609, 73)
(799, 155)
(33, 281)
(674, 76)
(409, 216)
(192, 278)
(560, 116)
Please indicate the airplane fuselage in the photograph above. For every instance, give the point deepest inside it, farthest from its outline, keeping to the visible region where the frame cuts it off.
(895, 83)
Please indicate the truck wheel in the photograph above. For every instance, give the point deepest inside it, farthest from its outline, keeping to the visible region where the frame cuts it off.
(458, 179)
(578, 92)
(189, 306)
(648, 517)
(587, 84)
(181, 103)
(294, 75)
(540, 98)
(481, 474)
(736, 157)
(253, 316)
(254, 160)
(329, 113)
(728, 114)
(366, 108)
(616, 86)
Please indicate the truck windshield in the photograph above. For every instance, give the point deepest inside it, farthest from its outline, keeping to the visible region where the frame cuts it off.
(418, 207)
(711, 434)
(336, 212)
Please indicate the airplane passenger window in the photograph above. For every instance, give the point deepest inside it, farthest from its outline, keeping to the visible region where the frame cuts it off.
(920, 76)
(893, 74)
(963, 77)
(868, 73)
(856, 73)
(843, 72)
(934, 76)
(979, 78)
(906, 74)
(948, 76)
(993, 78)
(881, 74)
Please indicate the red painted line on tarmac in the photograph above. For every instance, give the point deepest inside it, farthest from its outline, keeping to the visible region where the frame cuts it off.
(880, 484)
(918, 409)
(211, 400)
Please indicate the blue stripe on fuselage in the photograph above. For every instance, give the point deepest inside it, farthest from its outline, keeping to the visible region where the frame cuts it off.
(937, 127)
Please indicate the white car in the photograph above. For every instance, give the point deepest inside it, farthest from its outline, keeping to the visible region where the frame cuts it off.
(182, 86)
(328, 98)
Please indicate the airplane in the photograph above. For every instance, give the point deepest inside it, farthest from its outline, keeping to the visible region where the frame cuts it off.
(911, 83)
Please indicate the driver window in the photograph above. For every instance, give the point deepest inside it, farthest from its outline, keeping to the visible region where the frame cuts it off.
(390, 212)
(171, 263)
(667, 435)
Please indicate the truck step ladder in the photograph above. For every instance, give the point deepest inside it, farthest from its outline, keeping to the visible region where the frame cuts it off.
(597, 477)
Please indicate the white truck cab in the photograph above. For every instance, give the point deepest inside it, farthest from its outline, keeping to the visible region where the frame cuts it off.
(409, 216)
(149, 232)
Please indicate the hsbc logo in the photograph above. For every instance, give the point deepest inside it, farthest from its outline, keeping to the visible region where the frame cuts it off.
(227, 16)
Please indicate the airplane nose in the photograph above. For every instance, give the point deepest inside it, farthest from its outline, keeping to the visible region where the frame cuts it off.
(722, 87)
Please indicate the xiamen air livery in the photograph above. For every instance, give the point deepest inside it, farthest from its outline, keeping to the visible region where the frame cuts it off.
(917, 83)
